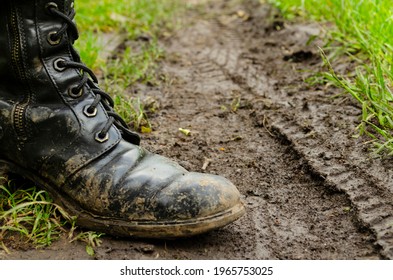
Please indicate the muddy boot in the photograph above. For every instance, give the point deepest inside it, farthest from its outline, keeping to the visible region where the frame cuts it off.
(58, 128)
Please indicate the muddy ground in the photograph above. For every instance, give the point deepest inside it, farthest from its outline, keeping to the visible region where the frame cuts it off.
(235, 76)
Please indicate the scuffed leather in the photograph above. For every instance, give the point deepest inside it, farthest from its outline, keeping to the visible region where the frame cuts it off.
(112, 179)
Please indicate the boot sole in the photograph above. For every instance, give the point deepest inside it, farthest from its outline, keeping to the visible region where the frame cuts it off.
(140, 229)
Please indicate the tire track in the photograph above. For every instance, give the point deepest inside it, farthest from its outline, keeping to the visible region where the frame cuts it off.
(225, 65)
(373, 212)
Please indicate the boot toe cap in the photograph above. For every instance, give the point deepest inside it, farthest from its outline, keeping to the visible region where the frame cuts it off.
(146, 195)
(195, 196)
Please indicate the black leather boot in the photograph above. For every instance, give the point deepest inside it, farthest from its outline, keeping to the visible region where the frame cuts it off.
(58, 129)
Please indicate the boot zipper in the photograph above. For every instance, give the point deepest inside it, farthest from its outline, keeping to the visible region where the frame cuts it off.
(16, 49)
(19, 121)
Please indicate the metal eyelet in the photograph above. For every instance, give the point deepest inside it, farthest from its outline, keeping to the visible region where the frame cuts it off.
(88, 113)
(53, 41)
(100, 138)
(73, 94)
(57, 66)
(50, 5)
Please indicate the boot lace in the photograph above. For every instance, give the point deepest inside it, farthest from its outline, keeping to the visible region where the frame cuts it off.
(87, 78)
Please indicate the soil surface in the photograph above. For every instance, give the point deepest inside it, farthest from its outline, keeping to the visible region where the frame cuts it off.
(235, 77)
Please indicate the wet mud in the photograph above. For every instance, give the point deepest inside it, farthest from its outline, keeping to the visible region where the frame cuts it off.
(235, 76)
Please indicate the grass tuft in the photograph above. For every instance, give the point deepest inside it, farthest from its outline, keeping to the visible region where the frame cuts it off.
(134, 18)
(134, 112)
(132, 66)
(29, 218)
(363, 30)
(141, 22)
(31, 215)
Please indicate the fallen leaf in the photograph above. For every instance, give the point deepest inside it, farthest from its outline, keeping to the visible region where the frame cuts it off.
(186, 132)
(145, 129)
(90, 250)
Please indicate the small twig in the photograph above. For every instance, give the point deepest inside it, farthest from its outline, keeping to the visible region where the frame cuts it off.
(265, 125)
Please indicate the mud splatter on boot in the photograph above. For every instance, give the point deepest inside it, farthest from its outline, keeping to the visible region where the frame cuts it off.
(58, 128)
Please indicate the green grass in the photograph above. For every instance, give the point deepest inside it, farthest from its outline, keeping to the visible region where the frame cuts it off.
(364, 32)
(134, 18)
(28, 217)
(133, 111)
(30, 214)
(132, 66)
(137, 62)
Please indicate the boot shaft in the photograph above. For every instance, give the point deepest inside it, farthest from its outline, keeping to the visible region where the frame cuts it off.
(27, 32)
(16, 18)
(42, 103)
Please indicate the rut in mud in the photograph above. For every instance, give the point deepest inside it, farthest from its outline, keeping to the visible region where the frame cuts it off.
(235, 77)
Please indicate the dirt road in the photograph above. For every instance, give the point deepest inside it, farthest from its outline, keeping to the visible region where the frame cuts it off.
(235, 76)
